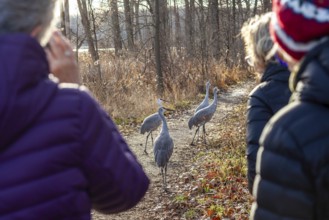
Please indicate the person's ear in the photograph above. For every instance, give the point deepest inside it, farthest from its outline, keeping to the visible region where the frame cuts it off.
(36, 31)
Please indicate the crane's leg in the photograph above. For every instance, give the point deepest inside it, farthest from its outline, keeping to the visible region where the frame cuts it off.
(165, 175)
(204, 133)
(165, 178)
(194, 135)
(152, 138)
(198, 135)
(147, 137)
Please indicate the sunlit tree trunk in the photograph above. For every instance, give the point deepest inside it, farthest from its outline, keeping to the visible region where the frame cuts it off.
(65, 18)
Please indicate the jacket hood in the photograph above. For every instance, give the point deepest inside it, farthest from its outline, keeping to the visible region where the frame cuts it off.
(25, 89)
(275, 71)
(311, 81)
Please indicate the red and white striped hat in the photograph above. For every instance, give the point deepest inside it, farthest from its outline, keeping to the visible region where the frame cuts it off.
(299, 25)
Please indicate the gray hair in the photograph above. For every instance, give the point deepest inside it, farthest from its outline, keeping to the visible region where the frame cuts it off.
(257, 40)
(22, 16)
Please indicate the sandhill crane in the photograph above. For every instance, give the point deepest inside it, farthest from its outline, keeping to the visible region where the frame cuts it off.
(163, 148)
(201, 117)
(205, 101)
(150, 124)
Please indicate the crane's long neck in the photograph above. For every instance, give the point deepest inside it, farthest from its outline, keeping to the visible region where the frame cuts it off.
(164, 124)
(207, 93)
(214, 103)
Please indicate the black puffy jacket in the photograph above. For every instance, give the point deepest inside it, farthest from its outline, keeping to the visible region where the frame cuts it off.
(292, 167)
(264, 101)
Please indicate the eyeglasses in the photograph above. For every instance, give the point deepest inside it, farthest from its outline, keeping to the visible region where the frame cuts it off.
(249, 60)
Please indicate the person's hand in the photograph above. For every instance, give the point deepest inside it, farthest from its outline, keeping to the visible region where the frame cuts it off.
(61, 59)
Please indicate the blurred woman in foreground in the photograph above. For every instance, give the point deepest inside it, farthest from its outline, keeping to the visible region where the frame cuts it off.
(60, 153)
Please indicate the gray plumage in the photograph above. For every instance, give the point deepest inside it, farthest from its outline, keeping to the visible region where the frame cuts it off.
(201, 117)
(205, 101)
(163, 148)
(150, 124)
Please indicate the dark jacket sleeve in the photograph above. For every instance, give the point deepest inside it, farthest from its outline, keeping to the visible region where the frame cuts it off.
(117, 181)
(258, 114)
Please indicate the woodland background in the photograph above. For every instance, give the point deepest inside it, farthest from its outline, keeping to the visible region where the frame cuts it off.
(133, 51)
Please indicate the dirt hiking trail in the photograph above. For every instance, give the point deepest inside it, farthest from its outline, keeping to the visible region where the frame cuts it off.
(153, 206)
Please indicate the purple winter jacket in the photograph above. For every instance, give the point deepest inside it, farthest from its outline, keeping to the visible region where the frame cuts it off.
(60, 154)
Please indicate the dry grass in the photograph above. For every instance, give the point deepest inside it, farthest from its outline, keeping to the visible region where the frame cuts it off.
(128, 86)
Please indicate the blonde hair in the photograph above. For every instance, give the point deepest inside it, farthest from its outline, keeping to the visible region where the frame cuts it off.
(257, 40)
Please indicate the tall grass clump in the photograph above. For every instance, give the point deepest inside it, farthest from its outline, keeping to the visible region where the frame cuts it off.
(127, 88)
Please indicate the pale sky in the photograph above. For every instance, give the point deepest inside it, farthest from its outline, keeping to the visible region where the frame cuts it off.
(74, 6)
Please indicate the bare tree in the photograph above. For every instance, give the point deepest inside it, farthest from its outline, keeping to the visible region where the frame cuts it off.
(160, 83)
(204, 28)
(165, 31)
(203, 40)
(138, 33)
(78, 38)
(93, 24)
(177, 27)
(65, 19)
(189, 26)
(89, 36)
(255, 7)
(214, 28)
(115, 26)
(129, 26)
(267, 5)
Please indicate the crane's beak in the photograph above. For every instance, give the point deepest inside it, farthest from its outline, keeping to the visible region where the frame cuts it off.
(164, 100)
(168, 109)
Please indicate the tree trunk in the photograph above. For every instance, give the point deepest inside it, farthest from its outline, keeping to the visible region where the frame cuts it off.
(214, 28)
(189, 27)
(65, 19)
(62, 24)
(129, 26)
(203, 41)
(228, 35)
(160, 83)
(177, 28)
(267, 5)
(89, 35)
(164, 30)
(234, 29)
(137, 25)
(93, 23)
(255, 8)
(116, 27)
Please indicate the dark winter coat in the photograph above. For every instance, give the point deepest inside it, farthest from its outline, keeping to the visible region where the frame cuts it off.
(264, 101)
(60, 154)
(292, 181)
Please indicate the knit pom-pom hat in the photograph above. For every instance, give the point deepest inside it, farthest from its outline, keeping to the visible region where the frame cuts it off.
(299, 25)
